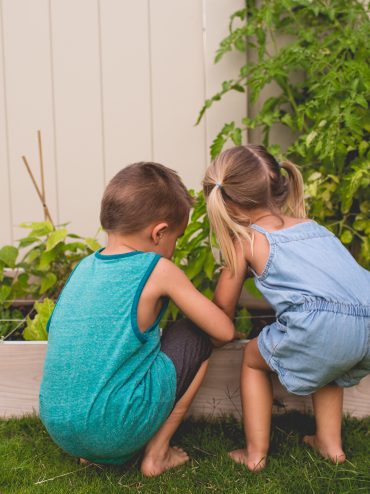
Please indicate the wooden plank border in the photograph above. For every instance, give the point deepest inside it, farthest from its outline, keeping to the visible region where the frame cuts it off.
(21, 366)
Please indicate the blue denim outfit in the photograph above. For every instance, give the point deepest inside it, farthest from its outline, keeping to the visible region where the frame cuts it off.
(322, 302)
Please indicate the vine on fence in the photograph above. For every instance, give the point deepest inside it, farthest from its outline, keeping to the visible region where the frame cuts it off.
(322, 74)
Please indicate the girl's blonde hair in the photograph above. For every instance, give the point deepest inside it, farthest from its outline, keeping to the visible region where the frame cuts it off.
(242, 179)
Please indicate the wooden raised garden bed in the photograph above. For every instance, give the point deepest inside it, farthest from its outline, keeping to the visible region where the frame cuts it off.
(21, 365)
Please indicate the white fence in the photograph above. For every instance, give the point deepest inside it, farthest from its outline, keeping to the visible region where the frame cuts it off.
(108, 83)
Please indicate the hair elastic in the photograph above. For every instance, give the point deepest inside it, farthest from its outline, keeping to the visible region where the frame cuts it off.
(218, 185)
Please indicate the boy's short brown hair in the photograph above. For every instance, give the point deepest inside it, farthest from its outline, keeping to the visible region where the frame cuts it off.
(141, 194)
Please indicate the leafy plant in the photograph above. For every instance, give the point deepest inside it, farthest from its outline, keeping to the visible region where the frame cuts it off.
(39, 266)
(42, 271)
(36, 327)
(194, 254)
(51, 253)
(322, 78)
(9, 320)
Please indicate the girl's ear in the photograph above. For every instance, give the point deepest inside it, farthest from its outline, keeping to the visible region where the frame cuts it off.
(158, 232)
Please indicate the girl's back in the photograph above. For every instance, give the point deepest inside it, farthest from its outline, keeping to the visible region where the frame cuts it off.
(101, 371)
(308, 265)
(322, 302)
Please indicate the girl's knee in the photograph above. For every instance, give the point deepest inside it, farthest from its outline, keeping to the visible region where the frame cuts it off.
(249, 353)
(253, 358)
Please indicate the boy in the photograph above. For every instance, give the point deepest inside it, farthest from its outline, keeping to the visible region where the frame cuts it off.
(111, 385)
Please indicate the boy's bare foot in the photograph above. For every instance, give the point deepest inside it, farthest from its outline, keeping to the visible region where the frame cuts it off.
(153, 465)
(253, 461)
(330, 452)
(82, 461)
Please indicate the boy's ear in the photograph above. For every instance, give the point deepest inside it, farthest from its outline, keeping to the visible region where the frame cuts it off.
(158, 232)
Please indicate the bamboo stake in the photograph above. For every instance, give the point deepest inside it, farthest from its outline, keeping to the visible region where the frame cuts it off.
(46, 210)
(42, 170)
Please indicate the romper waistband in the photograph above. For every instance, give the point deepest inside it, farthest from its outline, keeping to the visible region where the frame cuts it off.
(339, 307)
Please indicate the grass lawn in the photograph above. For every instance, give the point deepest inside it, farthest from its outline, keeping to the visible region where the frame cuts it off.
(31, 463)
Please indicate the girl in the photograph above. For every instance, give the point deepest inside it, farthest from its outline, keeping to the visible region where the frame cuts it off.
(111, 386)
(320, 340)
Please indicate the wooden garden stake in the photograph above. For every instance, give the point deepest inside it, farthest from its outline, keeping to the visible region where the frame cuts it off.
(42, 171)
(46, 210)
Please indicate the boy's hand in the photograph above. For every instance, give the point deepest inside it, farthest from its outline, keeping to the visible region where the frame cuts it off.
(238, 335)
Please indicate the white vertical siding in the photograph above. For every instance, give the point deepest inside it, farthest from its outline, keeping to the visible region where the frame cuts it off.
(6, 232)
(78, 123)
(108, 82)
(126, 83)
(27, 79)
(178, 88)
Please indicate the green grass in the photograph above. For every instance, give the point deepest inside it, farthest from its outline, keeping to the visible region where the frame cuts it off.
(29, 463)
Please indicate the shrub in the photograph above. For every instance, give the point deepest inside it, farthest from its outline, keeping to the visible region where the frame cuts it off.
(194, 254)
(38, 268)
(325, 108)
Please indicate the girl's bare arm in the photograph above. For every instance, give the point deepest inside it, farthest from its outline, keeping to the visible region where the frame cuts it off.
(229, 287)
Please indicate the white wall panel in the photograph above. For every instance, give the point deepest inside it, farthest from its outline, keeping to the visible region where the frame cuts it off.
(126, 83)
(75, 51)
(28, 92)
(6, 236)
(108, 82)
(178, 86)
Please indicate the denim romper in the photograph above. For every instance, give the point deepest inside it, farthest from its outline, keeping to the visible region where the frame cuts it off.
(321, 296)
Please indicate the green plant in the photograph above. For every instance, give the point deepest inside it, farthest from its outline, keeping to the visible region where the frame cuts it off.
(322, 78)
(50, 255)
(194, 254)
(42, 271)
(9, 320)
(36, 328)
(38, 267)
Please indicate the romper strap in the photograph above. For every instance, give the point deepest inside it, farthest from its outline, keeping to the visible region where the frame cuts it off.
(270, 238)
(259, 229)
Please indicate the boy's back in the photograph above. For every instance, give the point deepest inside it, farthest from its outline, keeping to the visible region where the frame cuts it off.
(101, 371)
(109, 389)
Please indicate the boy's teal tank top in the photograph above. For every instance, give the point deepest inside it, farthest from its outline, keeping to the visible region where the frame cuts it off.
(107, 387)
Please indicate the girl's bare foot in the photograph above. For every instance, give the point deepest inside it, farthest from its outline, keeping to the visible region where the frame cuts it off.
(330, 452)
(153, 465)
(253, 461)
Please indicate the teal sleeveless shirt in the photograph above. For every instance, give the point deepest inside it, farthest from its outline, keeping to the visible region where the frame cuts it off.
(107, 387)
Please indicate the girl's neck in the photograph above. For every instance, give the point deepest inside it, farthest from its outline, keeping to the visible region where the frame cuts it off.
(260, 213)
(273, 220)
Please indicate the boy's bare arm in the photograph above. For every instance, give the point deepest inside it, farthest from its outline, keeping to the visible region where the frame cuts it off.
(173, 283)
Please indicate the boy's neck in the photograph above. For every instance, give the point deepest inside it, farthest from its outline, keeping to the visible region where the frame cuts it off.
(120, 244)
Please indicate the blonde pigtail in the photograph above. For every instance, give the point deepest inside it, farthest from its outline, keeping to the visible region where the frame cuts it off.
(225, 228)
(295, 198)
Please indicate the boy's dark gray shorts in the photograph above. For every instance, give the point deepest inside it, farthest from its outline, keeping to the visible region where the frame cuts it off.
(188, 347)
